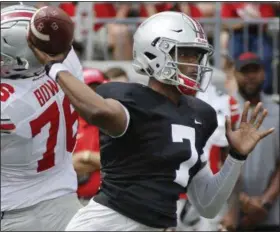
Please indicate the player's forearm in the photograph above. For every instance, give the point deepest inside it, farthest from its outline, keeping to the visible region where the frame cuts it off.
(208, 192)
(273, 190)
(107, 114)
(86, 102)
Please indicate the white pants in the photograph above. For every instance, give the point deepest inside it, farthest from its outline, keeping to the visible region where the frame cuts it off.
(202, 224)
(50, 215)
(96, 217)
(191, 216)
(212, 224)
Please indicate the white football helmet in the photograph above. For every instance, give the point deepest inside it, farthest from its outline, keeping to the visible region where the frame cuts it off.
(17, 59)
(156, 51)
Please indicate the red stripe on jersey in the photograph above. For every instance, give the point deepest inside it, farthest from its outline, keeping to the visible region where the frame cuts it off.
(183, 196)
(215, 158)
(18, 14)
(234, 112)
(234, 118)
(7, 126)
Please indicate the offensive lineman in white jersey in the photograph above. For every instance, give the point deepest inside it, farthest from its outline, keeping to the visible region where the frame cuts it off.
(38, 127)
(215, 150)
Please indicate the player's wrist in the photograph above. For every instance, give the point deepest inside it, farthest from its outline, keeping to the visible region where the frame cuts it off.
(236, 155)
(53, 68)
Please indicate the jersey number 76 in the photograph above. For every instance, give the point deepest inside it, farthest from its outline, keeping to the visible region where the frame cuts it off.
(51, 115)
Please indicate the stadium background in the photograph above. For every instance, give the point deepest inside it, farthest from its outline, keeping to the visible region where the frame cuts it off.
(93, 25)
(92, 28)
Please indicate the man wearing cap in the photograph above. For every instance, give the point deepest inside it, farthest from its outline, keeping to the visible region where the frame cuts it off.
(86, 156)
(259, 188)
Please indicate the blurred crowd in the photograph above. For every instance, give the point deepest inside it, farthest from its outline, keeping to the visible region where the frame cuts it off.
(113, 41)
(255, 202)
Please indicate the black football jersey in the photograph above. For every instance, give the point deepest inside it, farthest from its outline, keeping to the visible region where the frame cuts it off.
(145, 170)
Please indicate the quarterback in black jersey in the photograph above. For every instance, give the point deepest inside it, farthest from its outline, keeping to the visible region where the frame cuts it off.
(153, 136)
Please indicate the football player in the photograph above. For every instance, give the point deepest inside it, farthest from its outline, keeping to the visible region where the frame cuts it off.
(38, 127)
(154, 137)
(216, 149)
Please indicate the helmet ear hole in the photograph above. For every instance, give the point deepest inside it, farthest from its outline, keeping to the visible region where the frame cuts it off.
(150, 55)
(4, 39)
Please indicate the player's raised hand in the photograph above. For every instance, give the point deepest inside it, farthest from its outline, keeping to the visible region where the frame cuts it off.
(245, 138)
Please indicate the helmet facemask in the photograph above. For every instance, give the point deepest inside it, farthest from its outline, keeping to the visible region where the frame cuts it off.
(11, 67)
(185, 66)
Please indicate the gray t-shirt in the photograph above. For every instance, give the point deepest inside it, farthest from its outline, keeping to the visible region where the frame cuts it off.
(261, 163)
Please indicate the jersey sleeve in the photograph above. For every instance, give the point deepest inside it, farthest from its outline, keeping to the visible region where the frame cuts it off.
(117, 91)
(210, 121)
(73, 64)
(122, 93)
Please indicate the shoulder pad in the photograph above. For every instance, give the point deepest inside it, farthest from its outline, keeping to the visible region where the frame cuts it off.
(116, 90)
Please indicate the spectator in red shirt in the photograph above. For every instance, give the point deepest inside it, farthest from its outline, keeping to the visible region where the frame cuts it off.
(196, 11)
(148, 9)
(112, 39)
(86, 156)
(235, 44)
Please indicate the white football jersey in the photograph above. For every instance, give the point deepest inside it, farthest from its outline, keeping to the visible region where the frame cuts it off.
(224, 105)
(38, 129)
